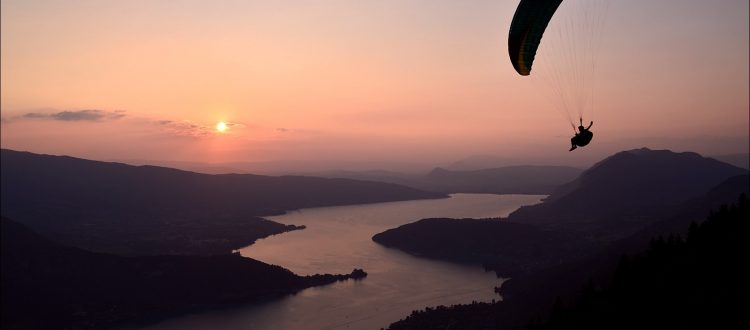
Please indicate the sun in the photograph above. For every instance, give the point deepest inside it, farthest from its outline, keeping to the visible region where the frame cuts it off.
(222, 127)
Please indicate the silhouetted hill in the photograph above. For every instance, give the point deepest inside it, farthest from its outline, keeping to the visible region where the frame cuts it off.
(626, 192)
(50, 286)
(511, 249)
(112, 207)
(524, 179)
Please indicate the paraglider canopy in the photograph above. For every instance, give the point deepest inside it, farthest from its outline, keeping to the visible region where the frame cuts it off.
(526, 30)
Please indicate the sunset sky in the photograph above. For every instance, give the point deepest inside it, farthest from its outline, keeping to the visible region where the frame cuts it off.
(389, 80)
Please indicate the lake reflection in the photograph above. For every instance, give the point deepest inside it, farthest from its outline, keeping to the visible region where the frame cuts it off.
(338, 239)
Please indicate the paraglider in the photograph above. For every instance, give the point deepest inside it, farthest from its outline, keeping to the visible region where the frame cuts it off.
(568, 61)
(582, 138)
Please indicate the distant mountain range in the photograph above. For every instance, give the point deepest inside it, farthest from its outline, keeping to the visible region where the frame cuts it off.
(507, 179)
(521, 179)
(46, 285)
(118, 208)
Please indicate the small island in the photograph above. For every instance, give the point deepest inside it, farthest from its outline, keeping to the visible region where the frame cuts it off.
(322, 279)
(358, 274)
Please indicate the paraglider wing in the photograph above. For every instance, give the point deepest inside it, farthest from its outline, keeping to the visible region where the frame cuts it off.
(529, 22)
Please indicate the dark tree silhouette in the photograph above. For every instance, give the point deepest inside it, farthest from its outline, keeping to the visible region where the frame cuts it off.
(697, 283)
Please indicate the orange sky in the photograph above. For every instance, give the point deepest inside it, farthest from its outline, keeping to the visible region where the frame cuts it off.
(408, 81)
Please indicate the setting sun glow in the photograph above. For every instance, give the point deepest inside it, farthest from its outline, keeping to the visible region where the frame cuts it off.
(221, 127)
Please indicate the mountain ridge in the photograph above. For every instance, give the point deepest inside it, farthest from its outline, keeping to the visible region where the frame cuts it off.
(125, 209)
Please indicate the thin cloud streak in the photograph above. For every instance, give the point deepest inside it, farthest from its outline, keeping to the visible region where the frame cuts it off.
(93, 115)
(185, 128)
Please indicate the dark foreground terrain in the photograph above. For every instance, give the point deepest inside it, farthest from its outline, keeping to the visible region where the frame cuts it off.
(46, 285)
(695, 283)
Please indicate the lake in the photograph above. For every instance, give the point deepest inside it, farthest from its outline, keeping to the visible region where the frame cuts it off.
(339, 239)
